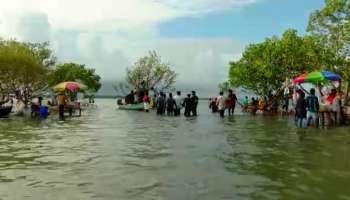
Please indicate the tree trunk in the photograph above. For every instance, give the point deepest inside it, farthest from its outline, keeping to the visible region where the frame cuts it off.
(347, 93)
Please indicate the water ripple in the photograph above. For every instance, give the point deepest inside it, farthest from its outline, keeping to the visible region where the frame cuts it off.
(113, 154)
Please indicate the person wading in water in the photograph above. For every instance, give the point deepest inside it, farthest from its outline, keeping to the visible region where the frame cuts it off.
(231, 102)
(160, 104)
(194, 100)
(61, 100)
(220, 103)
(170, 105)
(146, 101)
(188, 105)
(179, 101)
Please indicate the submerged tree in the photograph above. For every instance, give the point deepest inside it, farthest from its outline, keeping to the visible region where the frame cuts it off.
(150, 72)
(265, 66)
(332, 25)
(75, 72)
(24, 67)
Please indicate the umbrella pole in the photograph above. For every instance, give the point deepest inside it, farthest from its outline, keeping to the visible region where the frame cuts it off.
(340, 102)
(347, 93)
(319, 89)
(304, 89)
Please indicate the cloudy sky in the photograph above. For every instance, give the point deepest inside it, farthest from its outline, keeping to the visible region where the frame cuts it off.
(198, 37)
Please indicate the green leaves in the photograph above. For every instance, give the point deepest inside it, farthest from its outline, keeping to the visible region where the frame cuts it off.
(22, 66)
(150, 72)
(28, 66)
(75, 72)
(332, 24)
(265, 66)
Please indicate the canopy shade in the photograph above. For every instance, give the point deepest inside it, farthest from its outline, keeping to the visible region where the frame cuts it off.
(70, 86)
(317, 77)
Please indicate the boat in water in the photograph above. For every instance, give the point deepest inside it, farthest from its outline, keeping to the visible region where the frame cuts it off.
(5, 111)
(138, 107)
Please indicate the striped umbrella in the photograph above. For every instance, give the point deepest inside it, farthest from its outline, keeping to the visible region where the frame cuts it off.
(317, 77)
(70, 86)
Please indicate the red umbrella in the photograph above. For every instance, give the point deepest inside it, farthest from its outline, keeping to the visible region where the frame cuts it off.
(71, 86)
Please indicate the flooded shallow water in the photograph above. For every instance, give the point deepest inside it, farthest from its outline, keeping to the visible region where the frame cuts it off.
(114, 154)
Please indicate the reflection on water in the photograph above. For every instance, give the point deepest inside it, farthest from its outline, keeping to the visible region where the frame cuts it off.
(113, 154)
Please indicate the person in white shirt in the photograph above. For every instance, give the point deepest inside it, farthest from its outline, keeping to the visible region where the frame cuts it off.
(220, 102)
(179, 101)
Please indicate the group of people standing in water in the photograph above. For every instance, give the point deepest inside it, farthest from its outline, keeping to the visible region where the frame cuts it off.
(307, 109)
(221, 103)
(167, 104)
(172, 105)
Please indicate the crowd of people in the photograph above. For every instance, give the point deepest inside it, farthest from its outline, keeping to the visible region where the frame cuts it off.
(308, 109)
(221, 103)
(166, 104)
(305, 108)
(61, 102)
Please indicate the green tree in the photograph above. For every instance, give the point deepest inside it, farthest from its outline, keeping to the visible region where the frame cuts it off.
(22, 67)
(43, 52)
(265, 66)
(332, 25)
(75, 72)
(150, 72)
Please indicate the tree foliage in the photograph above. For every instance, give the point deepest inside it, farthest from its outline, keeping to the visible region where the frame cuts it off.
(264, 66)
(150, 72)
(23, 66)
(75, 72)
(332, 25)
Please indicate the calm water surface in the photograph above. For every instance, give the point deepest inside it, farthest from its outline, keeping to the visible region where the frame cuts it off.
(113, 154)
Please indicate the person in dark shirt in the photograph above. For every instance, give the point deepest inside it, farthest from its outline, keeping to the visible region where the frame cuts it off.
(194, 99)
(312, 107)
(231, 102)
(160, 104)
(212, 105)
(170, 105)
(301, 110)
(130, 98)
(188, 105)
(164, 105)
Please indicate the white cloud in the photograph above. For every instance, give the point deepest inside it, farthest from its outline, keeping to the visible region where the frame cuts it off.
(114, 14)
(110, 35)
(204, 6)
(92, 15)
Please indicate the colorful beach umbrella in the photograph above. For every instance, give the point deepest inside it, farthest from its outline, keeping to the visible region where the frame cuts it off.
(70, 86)
(317, 77)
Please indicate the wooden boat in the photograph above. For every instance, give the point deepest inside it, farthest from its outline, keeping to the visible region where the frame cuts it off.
(138, 107)
(5, 111)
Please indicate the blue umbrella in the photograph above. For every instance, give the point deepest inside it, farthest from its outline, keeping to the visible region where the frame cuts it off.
(331, 76)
